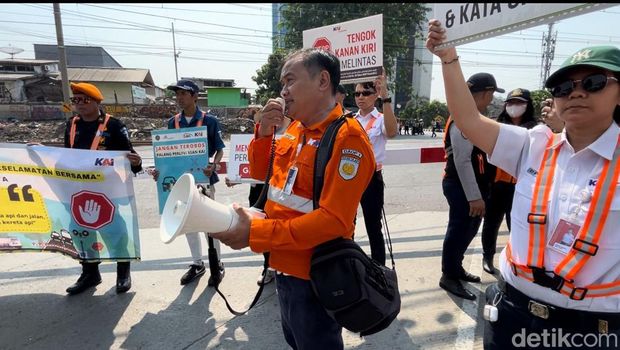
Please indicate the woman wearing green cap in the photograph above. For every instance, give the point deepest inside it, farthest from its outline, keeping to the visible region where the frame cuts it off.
(565, 181)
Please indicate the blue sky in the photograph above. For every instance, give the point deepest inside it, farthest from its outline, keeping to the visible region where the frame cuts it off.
(232, 41)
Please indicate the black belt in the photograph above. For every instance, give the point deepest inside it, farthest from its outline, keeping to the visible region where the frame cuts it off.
(546, 311)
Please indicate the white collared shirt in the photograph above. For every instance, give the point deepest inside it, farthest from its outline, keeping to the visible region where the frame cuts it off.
(377, 134)
(572, 175)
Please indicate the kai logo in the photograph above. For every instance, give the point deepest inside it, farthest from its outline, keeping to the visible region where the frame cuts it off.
(104, 162)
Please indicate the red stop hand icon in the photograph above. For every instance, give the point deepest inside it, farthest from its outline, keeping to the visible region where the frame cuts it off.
(91, 209)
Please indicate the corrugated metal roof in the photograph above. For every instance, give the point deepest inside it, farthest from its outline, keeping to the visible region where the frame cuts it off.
(12, 77)
(26, 61)
(110, 75)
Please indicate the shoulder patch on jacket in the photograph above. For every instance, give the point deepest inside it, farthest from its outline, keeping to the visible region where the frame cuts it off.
(348, 167)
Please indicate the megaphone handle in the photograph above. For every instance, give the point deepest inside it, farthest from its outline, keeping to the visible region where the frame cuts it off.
(214, 261)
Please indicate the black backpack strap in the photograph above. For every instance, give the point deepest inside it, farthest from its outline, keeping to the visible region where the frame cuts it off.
(323, 154)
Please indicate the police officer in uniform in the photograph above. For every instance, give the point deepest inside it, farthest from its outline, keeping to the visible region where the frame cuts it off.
(93, 129)
(549, 296)
(466, 187)
(293, 228)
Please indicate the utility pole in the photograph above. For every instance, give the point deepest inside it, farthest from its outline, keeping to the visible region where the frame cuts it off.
(174, 47)
(62, 57)
(548, 51)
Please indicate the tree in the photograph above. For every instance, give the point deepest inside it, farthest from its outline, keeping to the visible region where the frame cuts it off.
(537, 97)
(400, 22)
(268, 77)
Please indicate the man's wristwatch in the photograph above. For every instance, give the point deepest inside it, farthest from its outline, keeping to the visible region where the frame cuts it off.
(386, 100)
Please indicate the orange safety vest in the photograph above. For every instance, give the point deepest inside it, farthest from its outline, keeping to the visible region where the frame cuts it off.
(97, 137)
(585, 246)
(177, 125)
(367, 128)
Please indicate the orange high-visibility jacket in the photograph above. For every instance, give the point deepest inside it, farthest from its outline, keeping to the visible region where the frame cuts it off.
(293, 228)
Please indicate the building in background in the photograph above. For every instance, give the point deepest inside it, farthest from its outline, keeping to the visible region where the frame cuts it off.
(119, 85)
(39, 81)
(29, 80)
(78, 56)
(277, 34)
(220, 93)
(228, 97)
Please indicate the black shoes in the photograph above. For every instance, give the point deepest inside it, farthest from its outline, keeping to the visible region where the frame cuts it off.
(455, 287)
(123, 284)
(214, 280)
(86, 280)
(194, 272)
(468, 277)
(123, 277)
(91, 277)
(487, 265)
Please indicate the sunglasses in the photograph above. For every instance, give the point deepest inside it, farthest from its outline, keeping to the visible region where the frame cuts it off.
(78, 100)
(591, 83)
(365, 93)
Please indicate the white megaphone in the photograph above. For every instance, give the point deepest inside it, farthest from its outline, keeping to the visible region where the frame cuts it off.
(188, 210)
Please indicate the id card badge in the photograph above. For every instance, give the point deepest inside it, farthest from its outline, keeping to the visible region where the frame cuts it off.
(564, 235)
(290, 180)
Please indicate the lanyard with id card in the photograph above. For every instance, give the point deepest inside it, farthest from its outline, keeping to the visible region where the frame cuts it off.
(293, 170)
(567, 229)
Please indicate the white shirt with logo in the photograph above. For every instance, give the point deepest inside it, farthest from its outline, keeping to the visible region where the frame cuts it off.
(377, 134)
(519, 151)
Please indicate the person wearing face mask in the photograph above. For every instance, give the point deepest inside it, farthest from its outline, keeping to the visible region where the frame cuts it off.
(518, 110)
(564, 180)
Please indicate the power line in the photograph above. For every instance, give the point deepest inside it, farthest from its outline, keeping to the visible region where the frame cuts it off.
(181, 19)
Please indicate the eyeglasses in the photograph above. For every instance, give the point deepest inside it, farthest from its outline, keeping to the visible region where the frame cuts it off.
(591, 83)
(365, 93)
(79, 100)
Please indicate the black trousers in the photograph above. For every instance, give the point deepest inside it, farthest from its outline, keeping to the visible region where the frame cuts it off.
(499, 204)
(122, 268)
(518, 328)
(372, 207)
(462, 228)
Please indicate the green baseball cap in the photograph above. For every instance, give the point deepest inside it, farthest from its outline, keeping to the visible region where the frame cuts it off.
(606, 57)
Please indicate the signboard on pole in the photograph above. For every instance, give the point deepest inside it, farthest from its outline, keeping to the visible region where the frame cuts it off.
(138, 93)
(179, 151)
(476, 21)
(358, 44)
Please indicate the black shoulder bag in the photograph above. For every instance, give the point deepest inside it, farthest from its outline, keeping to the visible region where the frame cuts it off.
(357, 292)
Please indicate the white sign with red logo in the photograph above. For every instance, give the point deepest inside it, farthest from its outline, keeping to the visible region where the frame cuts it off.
(472, 21)
(238, 166)
(358, 44)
